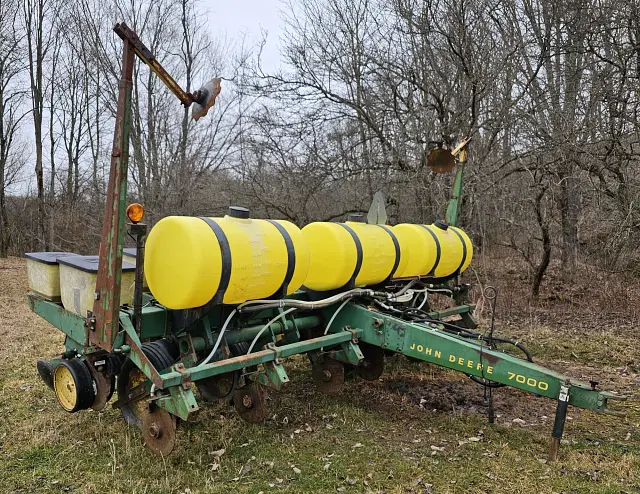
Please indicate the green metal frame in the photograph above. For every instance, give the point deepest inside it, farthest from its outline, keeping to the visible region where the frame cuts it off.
(427, 342)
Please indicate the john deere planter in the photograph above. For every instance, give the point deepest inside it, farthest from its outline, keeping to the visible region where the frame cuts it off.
(230, 298)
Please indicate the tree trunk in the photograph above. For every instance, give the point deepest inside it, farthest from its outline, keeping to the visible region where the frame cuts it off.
(4, 219)
(570, 212)
(541, 269)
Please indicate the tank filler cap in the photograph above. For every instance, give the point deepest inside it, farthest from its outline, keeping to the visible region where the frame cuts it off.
(441, 224)
(356, 218)
(239, 212)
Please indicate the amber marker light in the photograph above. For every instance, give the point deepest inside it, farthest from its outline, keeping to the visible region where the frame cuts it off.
(135, 212)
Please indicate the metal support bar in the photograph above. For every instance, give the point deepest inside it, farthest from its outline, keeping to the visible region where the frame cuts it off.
(138, 232)
(236, 363)
(130, 37)
(453, 311)
(456, 192)
(106, 307)
(561, 417)
(70, 323)
(430, 343)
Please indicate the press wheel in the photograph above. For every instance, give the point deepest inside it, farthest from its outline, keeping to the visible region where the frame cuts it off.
(73, 385)
(159, 431)
(328, 376)
(251, 402)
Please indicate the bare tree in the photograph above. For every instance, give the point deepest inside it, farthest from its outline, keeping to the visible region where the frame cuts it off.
(11, 98)
(37, 17)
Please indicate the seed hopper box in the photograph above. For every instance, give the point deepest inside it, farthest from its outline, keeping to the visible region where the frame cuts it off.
(43, 273)
(78, 276)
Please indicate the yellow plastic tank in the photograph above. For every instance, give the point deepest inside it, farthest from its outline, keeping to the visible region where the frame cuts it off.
(350, 254)
(192, 261)
(436, 250)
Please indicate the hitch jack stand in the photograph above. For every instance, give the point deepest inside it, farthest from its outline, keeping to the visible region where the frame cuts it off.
(561, 417)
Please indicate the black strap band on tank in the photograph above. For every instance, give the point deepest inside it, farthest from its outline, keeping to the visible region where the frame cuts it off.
(464, 249)
(438, 250)
(396, 244)
(291, 259)
(225, 251)
(352, 282)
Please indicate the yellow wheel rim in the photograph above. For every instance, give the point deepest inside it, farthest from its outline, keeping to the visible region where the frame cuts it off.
(64, 386)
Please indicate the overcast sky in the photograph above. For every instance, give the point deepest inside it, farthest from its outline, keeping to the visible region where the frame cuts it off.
(236, 18)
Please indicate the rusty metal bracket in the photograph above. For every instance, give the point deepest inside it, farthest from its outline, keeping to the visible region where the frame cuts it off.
(354, 333)
(186, 378)
(274, 375)
(349, 354)
(144, 54)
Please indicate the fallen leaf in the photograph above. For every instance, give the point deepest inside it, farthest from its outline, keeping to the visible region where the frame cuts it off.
(297, 471)
(218, 453)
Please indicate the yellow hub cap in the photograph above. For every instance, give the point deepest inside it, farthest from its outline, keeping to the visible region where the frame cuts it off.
(64, 386)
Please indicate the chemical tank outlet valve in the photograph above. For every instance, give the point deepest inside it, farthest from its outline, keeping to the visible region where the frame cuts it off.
(356, 218)
(239, 212)
(441, 224)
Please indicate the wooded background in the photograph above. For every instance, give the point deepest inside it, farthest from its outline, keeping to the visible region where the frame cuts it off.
(548, 89)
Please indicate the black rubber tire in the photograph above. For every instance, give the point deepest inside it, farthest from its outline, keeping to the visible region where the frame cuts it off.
(45, 371)
(240, 348)
(85, 391)
(169, 347)
(160, 354)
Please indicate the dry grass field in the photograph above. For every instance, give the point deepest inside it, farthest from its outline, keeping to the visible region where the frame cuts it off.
(420, 429)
